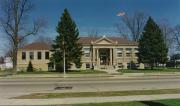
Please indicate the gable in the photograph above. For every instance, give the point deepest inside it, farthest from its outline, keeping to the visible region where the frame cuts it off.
(103, 42)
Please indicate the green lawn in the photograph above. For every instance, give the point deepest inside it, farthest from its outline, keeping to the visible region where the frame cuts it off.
(6, 72)
(169, 102)
(149, 70)
(173, 102)
(98, 94)
(87, 72)
(68, 72)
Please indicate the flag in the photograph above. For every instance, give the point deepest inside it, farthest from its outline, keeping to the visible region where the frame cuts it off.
(120, 14)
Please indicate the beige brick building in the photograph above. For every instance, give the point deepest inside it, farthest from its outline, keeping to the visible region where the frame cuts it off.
(98, 53)
(37, 53)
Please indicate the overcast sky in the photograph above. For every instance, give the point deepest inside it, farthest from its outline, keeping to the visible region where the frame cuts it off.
(100, 15)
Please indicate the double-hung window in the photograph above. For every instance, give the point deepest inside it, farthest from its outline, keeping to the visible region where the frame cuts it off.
(119, 52)
(31, 55)
(46, 55)
(23, 55)
(39, 55)
(87, 52)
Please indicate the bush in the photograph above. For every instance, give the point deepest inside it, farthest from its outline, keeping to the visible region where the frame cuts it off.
(59, 67)
(173, 64)
(30, 67)
(132, 65)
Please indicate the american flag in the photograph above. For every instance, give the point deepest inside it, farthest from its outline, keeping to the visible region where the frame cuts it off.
(121, 14)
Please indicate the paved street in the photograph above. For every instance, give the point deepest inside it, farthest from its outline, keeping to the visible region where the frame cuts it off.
(20, 86)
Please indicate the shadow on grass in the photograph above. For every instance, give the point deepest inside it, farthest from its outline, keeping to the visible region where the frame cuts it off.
(152, 103)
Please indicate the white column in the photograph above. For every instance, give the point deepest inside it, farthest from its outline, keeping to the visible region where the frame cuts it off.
(97, 57)
(94, 56)
(114, 56)
(110, 56)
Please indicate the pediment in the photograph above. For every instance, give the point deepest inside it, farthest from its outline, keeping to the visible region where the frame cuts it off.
(104, 41)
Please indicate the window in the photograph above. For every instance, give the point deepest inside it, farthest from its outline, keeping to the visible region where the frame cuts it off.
(120, 65)
(23, 55)
(128, 54)
(39, 55)
(87, 65)
(46, 55)
(136, 49)
(119, 54)
(119, 49)
(136, 52)
(87, 52)
(128, 49)
(31, 55)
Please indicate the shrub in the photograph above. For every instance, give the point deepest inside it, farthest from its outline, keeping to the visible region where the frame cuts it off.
(132, 65)
(30, 67)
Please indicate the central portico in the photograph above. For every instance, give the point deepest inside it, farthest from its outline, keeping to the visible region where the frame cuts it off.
(107, 52)
(103, 57)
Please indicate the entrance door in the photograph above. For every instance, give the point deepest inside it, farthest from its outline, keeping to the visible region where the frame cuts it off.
(104, 56)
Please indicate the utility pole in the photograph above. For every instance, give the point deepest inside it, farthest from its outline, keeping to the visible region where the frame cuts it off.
(64, 63)
(64, 58)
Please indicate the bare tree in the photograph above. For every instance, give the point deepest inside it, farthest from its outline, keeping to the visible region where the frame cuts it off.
(93, 33)
(135, 24)
(122, 30)
(176, 35)
(1, 59)
(15, 24)
(167, 31)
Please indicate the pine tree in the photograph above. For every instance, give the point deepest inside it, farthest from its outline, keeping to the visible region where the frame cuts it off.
(66, 40)
(30, 67)
(152, 47)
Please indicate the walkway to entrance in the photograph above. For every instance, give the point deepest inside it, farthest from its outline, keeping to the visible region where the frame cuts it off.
(110, 71)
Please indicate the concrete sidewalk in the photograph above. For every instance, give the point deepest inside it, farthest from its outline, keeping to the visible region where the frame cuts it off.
(118, 75)
(55, 75)
(81, 100)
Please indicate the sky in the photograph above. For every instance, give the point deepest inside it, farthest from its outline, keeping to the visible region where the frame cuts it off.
(100, 15)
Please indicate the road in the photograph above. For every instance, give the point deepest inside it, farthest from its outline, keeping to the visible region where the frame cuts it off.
(21, 86)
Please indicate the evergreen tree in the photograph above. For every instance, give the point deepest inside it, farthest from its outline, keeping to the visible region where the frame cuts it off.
(66, 40)
(152, 47)
(30, 67)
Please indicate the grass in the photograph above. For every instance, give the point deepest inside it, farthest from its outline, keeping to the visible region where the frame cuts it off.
(69, 72)
(149, 70)
(38, 72)
(105, 104)
(172, 102)
(6, 72)
(86, 72)
(98, 94)
(169, 102)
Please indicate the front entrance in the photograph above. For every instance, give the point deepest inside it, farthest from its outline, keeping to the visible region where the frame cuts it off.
(104, 55)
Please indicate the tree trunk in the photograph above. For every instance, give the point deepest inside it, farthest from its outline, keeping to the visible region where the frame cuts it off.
(15, 60)
(152, 66)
